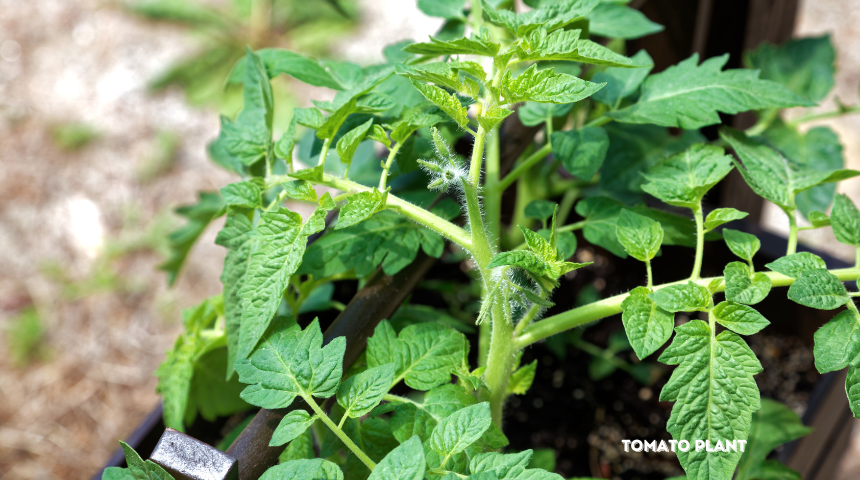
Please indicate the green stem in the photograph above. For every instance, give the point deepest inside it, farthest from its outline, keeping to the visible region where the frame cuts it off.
(700, 242)
(823, 115)
(857, 257)
(648, 270)
(324, 152)
(612, 306)
(499, 365)
(408, 210)
(792, 231)
(573, 226)
(524, 166)
(340, 434)
(602, 120)
(492, 193)
(527, 319)
(383, 178)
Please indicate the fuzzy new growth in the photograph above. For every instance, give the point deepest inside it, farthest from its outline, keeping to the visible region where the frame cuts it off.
(445, 169)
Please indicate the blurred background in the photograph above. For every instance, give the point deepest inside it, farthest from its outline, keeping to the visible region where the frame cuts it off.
(106, 109)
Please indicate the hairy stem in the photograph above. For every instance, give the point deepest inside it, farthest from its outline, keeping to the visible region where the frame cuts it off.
(499, 365)
(700, 242)
(527, 319)
(340, 434)
(612, 306)
(388, 161)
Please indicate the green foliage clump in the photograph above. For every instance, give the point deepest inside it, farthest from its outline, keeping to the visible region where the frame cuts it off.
(619, 134)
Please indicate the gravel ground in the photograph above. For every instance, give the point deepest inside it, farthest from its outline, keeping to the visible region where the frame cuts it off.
(109, 316)
(79, 230)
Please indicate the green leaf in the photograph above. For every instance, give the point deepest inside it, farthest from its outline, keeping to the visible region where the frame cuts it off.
(818, 149)
(852, 389)
(174, 380)
(622, 82)
(540, 246)
(565, 45)
(378, 133)
(739, 318)
(207, 208)
(492, 117)
(582, 151)
(616, 20)
(545, 86)
(523, 259)
(540, 209)
(719, 216)
(550, 17)
(249, 138)
(534, 113)
(282, 237)
(742, 244)
(405, 462)
(601, 214)
(137, 468)
(805, 65)
(301, 190)
(648, 326)
(420, 419)
(818, 219)
(284, 146)
(744, 287)
(772, 425)
(846, 220)
(209, 377)
(361, 206)
(462, 428)
(683, 179)
(332, 124)
(447, 103)
(714, 393)
(242, 194)
(510, 466)
(385, 239)
(521, 380)
(685, 297)
(449, 9)
(349, 141)
(305, 69)
(796, 263)
(818, 289)
(460, 46)
(315, 469)
(771, 175)
(689, 95)
(309, 117)
(292, 362)
(439, 73)
(360, 393)
(425, 355)
(301, 448)
(837, 342)
(635, 148)
(292, 425)
(237, 236)
(640, 236)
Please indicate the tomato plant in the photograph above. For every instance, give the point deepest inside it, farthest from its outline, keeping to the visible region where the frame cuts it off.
(389, 150)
